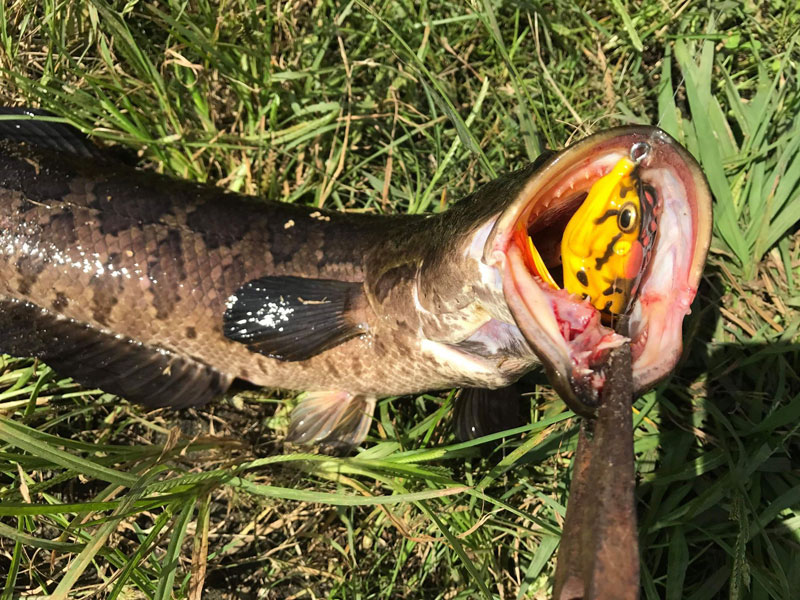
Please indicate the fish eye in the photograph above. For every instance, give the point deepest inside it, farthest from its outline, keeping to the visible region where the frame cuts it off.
(627, 218)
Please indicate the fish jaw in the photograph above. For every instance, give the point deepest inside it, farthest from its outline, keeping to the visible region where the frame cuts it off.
(565, 331)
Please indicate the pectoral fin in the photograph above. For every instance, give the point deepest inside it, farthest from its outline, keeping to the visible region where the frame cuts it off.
(293, 318)
(331, 418)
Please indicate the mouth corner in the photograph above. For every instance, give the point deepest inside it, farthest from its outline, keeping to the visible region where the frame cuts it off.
(565, 332)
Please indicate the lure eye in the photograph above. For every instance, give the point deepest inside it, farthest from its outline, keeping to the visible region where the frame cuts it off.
(627, 218)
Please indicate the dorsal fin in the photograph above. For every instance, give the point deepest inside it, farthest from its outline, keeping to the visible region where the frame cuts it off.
(27, 125)
(294, 318)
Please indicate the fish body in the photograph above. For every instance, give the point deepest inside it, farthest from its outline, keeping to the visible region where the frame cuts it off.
(164, 291)
(155, 259)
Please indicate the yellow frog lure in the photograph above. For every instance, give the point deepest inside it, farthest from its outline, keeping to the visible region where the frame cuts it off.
(607, 243)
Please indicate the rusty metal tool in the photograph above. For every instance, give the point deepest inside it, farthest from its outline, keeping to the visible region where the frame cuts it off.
(599, 554)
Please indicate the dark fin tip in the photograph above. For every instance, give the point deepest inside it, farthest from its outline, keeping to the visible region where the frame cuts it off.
(46, 134)
(293, 318)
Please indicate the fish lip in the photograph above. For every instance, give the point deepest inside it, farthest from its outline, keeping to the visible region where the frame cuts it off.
(658, 310)
(530, 305)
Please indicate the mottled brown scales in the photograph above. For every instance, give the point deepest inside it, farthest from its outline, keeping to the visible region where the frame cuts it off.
(60, 302)
(152, 260)
(28, 269)
(167, 263)
(105, 296)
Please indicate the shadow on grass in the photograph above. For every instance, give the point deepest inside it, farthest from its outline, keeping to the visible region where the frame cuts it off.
(712, 514)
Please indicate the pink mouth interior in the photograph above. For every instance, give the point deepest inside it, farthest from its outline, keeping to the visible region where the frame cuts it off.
(573, 327)
(578, 325)
(587, 341)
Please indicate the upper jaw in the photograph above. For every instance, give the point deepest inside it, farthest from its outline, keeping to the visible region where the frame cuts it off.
(565, 332)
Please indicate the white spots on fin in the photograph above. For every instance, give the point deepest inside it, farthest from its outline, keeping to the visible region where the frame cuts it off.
(270, 315)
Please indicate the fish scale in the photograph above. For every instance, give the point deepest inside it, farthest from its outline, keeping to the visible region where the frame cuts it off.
(170, 279)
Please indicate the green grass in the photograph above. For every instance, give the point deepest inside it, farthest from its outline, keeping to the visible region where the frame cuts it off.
(394, 107)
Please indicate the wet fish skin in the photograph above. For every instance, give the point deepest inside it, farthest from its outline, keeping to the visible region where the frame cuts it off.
(150, 260)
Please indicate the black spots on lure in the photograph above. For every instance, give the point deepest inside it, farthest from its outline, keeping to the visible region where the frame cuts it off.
(117, 364)
(624, 189)
(293, 318)
(581, 276)
(626, 217)
(607, 254)
(611, 212)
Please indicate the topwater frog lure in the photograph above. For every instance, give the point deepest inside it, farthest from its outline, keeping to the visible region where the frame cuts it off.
(607, 243)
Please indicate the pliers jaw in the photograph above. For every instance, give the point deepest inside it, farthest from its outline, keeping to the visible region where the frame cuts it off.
(599, 553)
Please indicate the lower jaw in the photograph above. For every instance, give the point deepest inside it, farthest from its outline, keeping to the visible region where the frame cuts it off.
(566, 333)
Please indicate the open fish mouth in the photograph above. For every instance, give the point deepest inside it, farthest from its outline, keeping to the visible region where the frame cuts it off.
(567, 333)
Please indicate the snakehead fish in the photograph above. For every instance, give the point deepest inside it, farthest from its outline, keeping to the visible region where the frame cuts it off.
(163, 291)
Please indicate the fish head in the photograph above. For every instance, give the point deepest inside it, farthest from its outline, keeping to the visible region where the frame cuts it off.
(618, 223)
